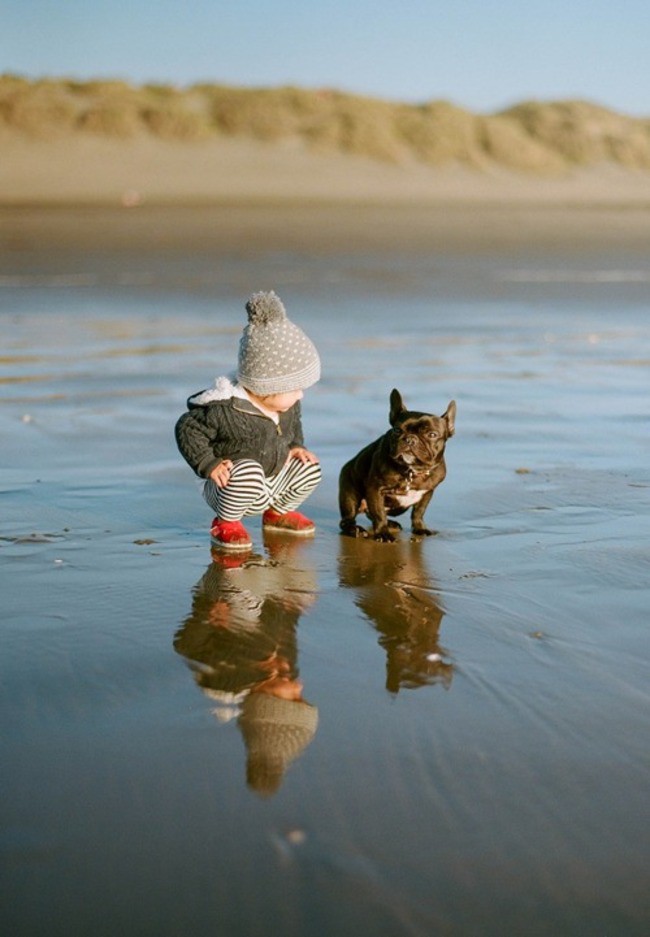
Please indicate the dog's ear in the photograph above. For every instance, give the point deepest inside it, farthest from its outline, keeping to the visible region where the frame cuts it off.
(450, 418)
(396, 406)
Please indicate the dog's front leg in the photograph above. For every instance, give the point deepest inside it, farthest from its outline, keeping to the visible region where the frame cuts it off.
(377, 514)
(350, 504)
(417, 515)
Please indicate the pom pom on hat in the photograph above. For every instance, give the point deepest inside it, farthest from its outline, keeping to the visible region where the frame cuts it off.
(263, 308)
(275, 355)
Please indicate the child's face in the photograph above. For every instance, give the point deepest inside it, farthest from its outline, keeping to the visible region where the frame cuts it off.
(280, 403)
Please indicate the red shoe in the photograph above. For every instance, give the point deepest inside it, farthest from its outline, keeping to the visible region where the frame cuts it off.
(230, 535)
(291, 523)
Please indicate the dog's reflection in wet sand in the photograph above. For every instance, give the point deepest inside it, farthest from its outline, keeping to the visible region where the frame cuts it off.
(396, 594)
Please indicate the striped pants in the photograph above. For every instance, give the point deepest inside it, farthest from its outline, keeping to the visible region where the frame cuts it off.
(250, 492)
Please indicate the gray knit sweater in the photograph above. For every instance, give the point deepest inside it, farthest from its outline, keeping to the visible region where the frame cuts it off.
(219, 425)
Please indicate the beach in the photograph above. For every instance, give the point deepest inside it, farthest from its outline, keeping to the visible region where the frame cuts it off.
(98, 170)
(470, 756)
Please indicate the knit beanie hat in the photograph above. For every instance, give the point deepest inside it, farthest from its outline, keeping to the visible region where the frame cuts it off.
(275, 732)
(275, 356)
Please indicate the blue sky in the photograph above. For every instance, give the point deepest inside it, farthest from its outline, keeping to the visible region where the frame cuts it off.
(481, 54)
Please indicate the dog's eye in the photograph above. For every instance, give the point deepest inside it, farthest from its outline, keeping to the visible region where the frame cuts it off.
(433, 435)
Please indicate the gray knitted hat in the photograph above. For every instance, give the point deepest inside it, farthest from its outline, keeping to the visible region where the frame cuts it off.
(275, 731)
(275, 356)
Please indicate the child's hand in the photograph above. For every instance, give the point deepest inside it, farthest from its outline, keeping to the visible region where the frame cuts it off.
(221, 474)
(303, 455)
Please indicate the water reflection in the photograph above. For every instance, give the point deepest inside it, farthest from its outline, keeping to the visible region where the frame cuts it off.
(397, 594)
(240, 641)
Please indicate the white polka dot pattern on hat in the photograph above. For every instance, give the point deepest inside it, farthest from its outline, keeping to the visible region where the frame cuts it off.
(275, 355)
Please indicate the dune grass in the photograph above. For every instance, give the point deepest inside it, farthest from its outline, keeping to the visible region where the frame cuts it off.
(536, 137)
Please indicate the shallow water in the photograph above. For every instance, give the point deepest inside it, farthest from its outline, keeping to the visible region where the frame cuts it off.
(470, 755)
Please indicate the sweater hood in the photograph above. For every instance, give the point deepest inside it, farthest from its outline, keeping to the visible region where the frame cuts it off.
(222, 389)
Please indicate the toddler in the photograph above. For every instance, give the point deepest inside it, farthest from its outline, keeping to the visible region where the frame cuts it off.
(246, 438)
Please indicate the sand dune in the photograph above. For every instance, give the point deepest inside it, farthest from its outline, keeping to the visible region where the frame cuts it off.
(110, 143)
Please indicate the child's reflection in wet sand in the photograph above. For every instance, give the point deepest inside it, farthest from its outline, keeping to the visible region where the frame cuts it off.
(240, 641)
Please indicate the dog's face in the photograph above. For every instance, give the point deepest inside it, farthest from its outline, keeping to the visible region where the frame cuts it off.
(418, 438)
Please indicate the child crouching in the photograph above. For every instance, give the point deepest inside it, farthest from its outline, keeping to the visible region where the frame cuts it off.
(245, 438)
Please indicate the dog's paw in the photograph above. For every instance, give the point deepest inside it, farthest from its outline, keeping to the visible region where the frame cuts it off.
(423, 532)
(353, 530)
(384, 536)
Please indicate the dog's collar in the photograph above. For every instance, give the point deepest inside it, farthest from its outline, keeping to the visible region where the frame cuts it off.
(408, 478)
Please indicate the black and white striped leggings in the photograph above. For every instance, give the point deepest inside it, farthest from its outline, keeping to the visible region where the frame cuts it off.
(250, 492)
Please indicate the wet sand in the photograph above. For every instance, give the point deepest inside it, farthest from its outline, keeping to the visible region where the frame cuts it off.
(257, 227)
(468, 752)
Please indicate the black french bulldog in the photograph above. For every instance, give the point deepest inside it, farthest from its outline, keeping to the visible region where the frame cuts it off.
(399, 470)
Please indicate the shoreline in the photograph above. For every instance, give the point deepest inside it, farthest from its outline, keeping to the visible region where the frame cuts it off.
(326, 227)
